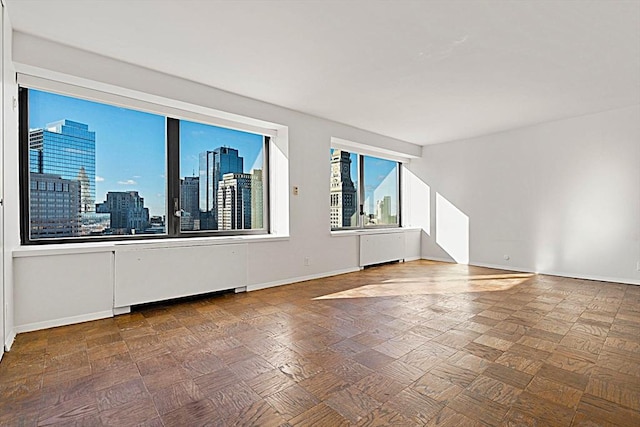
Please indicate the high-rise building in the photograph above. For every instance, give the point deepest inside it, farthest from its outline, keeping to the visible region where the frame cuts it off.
(257, 199)
(127, 212)
(234, 202)
(67, 149)
(343, 191)
(190, 211)
(54, 206)
(213, 165)
(383, 211)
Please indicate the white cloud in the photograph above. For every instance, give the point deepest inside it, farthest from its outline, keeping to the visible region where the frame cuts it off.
(99, 179)
(127, 182)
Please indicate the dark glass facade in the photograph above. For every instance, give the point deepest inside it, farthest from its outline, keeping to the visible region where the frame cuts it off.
(190, 211)
(62, 159)
(68, 149)
(213, 166)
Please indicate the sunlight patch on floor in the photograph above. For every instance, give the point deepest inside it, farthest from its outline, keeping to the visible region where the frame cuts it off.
(431, 285)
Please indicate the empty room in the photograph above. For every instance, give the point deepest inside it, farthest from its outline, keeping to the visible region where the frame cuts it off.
(320, 213)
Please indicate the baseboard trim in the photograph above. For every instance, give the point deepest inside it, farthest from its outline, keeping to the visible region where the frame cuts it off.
(413, 258)
(36, 326)
(449, 261)
(563, 274)
(121, 310)
(507, 268)
(300, 279)
(9, 340)
(548, 273)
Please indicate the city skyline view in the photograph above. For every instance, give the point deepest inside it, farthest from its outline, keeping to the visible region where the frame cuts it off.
(130, 148)
(379, 197)
(380, 179)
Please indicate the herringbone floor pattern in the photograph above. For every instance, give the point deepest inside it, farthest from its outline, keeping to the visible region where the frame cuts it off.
(417, 343)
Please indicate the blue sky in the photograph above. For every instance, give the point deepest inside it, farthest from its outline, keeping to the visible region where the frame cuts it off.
(197, 137)
(131, 145)
(381, 179)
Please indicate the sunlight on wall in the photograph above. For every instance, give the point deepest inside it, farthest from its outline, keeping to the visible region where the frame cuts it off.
(416, 195)
(279, 182)
(452, 230)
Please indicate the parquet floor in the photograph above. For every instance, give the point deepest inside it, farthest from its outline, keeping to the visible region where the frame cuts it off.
(419, 343)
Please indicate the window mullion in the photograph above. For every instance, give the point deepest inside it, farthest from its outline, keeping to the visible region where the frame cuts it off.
(361, 192)
(25, 214)
(173, 176)
(399, 194)
(266, 222)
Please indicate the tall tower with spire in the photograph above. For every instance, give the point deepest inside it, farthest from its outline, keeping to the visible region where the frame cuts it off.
(343, 191)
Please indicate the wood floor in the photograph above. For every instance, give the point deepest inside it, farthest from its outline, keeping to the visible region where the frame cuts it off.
(419, 343)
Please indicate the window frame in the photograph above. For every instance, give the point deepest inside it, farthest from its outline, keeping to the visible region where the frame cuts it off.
(172, 182)
(360, 193)
(173, 191)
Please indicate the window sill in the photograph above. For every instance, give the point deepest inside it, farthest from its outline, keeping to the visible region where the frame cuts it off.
(198, 241)
(134, 245)
(365, 231)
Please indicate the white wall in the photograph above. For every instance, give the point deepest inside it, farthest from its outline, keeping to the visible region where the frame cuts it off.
(57, 289)
(2, 305)
(560, 198)
(11, 213)
(268, 262)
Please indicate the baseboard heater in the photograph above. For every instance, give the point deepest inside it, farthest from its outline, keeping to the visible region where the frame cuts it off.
(150, 275)
(381, 247)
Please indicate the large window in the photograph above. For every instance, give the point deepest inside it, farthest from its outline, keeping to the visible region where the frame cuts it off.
(92, 171)
(364, 191)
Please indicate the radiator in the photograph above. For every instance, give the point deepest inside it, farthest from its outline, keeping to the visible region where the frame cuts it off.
(382, 247)
(147, 275)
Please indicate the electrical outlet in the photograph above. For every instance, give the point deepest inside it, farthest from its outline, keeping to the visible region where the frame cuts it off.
(638, 266)
(296, 190)
(307, 261)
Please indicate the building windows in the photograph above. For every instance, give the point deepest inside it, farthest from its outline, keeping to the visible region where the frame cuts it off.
(92, 171)
(364, 191)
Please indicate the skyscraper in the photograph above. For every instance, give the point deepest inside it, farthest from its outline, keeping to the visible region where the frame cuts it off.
(383, 211)
(343, 191)
(54, 206)
(190, 217)
(67, 149)
(128, 214)
(213, 165)
(257, 199)
(234, 202)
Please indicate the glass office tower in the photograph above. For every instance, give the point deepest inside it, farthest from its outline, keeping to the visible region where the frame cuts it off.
(213, 165)
(67, 149)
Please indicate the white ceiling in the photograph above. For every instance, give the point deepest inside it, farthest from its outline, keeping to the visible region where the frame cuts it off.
(420, 71)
